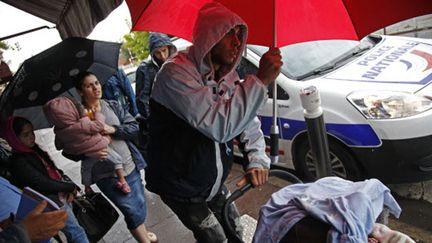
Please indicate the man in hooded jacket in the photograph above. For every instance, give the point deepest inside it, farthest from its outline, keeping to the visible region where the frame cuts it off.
(198, 107)
(161, 48)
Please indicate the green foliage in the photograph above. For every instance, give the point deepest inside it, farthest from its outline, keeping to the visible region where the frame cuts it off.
(4, 45)
(135, 45)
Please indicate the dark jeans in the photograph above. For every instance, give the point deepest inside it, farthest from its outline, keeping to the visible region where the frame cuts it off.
(205, 219)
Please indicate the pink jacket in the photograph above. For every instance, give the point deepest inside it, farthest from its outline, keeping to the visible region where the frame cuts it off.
(75, 134)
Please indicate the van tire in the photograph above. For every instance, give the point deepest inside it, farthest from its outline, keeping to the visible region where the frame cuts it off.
(343, 163)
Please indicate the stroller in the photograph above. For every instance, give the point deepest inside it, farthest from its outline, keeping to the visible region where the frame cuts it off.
(281, 174)
(310, 228)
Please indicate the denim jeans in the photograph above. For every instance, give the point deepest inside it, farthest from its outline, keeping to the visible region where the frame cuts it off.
(205, 219)
(73, 231)
(132, 204)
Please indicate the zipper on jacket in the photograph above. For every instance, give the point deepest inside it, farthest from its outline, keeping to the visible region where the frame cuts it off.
(227, 149)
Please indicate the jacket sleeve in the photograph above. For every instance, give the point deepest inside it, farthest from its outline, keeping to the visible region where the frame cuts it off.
(84, 126)
(15, 233)
(139, 83)
(253, 138)
(94, 126)
(218, 118)
(127, 87)
(24, 172)
(128, 128)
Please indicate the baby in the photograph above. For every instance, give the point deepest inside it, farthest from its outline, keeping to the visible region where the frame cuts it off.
(78, 131)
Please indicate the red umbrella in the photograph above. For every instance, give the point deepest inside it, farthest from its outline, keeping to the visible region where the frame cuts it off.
(281, 22)
(290, 21)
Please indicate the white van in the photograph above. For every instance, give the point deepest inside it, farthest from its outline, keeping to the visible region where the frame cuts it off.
(377, 100)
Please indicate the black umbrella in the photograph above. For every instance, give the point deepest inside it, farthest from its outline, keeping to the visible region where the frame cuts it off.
(50, 73)
(73, 18)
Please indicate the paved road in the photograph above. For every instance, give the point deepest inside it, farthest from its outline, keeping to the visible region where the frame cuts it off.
(414, 221)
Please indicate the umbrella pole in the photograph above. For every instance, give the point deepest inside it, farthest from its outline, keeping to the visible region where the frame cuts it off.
(274, 131)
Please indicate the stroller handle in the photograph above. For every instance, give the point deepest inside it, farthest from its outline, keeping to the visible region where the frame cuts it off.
(285, 175)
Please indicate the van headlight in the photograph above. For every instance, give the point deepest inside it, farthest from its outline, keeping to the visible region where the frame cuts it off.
(389, 104)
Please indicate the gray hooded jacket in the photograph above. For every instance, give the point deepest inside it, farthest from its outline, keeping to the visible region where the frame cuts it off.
(195, 117)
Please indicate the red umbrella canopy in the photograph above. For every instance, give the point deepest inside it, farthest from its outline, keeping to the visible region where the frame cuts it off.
(292, 21)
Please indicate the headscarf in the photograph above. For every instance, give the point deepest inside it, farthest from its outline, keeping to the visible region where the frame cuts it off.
(8, 133)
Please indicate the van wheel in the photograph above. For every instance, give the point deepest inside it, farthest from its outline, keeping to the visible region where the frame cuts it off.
(342, 162)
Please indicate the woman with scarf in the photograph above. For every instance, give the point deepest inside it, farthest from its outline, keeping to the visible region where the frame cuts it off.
(31, 166)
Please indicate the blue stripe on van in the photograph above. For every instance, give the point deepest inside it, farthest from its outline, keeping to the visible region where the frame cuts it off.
(350, 134)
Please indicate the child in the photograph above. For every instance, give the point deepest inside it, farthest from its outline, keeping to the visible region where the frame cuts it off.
(78, 131)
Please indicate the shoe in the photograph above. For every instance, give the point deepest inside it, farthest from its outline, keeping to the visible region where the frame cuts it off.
(152, 237)
(123, 186)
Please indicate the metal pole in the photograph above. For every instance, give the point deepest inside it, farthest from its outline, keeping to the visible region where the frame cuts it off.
(26, 31)
(313, 113)
(274, 131)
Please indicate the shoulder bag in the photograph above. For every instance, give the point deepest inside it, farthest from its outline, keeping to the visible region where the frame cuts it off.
(95, 214)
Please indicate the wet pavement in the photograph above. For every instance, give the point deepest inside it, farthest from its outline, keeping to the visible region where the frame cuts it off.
(414, 221)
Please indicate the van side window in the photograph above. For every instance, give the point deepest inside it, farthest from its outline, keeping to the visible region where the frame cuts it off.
(245, 67)
(281, 93)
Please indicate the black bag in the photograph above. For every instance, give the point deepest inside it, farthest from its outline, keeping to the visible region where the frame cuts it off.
(4, 164)
(95, 214)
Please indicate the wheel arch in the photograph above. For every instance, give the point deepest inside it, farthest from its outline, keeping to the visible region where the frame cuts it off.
(302, 137)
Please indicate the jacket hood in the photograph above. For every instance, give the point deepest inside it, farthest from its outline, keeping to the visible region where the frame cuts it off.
(157, 40)
(213, 22)
(61, 112)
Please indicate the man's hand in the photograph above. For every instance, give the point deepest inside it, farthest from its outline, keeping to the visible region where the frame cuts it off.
(99, 155)
(270, 66)
(108, 130)
(71, 195)
(256, 176)
(40, 225)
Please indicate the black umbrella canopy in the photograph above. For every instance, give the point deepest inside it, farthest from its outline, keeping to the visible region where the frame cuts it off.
(50, 74)
(73, 18)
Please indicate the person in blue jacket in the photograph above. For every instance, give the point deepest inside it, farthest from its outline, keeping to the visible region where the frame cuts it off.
(118, 87)
(161, 48)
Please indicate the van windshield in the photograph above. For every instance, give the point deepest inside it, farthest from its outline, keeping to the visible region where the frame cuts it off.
(308, 59)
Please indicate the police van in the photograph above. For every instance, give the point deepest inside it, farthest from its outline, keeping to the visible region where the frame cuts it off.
(376, 95)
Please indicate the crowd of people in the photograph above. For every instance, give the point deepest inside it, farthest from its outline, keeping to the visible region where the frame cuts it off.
(190, 106)
(179, 128)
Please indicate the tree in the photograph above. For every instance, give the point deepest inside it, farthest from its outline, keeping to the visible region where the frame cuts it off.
(4, 45)
(135, 45)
